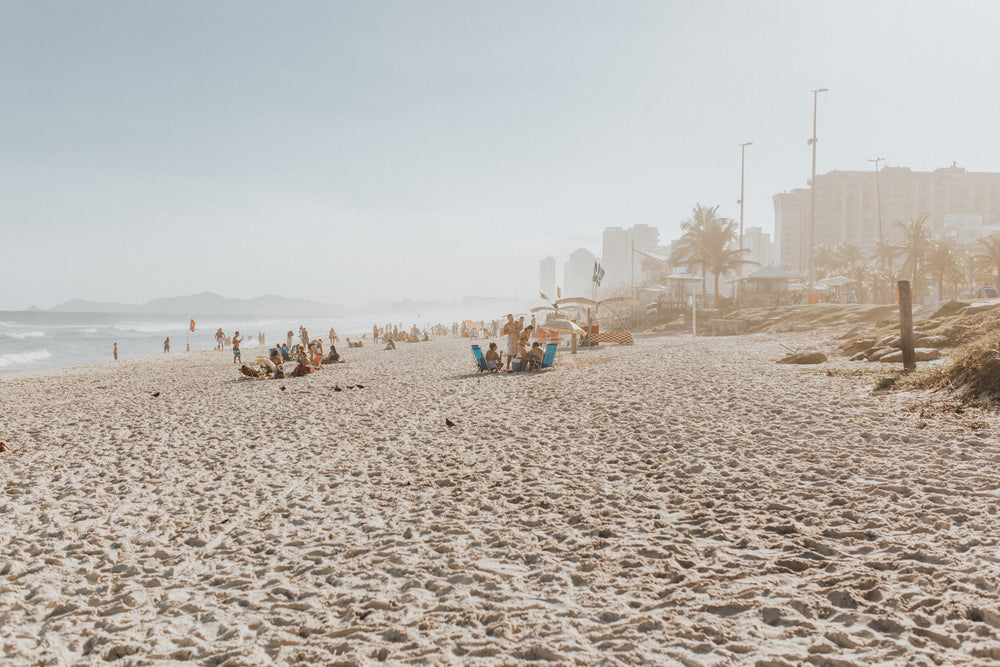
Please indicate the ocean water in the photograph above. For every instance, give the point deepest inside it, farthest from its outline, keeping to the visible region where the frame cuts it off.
(32, 341)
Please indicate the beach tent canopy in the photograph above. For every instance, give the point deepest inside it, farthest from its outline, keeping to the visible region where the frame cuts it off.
(651, 255)
(563, 326)
(576, 300)
(544, 309)
(684, 277)
(767, 279)
(620, 301)
(771, 272)
(835, 281)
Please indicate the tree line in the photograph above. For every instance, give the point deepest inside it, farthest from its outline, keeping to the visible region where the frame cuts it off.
(708, 245)
(920, 255)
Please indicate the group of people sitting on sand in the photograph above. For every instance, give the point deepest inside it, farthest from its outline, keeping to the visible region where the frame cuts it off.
(309, 360)
(529, 358)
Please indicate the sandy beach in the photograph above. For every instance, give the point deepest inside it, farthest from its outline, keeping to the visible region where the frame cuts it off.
(677, 502)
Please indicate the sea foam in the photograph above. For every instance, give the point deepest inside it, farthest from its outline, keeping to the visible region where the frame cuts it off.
(21, 335)
(22, 358)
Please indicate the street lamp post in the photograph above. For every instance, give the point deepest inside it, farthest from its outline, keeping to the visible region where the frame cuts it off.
(743, 151)
(878, 198)
(812, 190)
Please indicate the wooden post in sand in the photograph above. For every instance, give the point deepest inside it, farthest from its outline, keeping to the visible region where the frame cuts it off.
(572, 345)
(906, 325)
(694, 314)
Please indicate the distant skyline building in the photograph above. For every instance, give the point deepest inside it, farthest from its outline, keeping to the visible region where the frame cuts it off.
(578, 273)
(760, 248)
(547, 277)
(617, 259)
(963, 204)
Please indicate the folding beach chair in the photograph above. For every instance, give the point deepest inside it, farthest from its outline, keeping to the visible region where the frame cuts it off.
(480, 360)
(550, 355)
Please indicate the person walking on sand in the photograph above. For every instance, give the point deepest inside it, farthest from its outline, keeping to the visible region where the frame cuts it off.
(236, 348)
(510, 331)
(333, 336)
(116, 351)
(166, 345)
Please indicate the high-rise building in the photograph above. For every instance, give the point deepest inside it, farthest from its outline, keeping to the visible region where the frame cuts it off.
(617, 257)
(847, 209)
(759, 248)
(578, 274)
(547, 277)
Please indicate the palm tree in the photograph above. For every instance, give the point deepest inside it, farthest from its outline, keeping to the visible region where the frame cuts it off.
(942, 262)
(848, 254)
(961, 276)
(884, 254)
(861, 272)
(917, 242)
(989, 254)
(705, 243)
(825, 261)
(692, 248)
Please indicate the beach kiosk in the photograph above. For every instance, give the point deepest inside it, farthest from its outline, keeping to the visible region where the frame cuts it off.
(765, 287)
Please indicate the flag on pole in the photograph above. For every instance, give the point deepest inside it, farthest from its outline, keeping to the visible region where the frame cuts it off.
(598, 273)
(558, 292)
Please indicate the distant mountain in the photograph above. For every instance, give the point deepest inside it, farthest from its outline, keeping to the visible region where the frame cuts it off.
(208, 303)
(82, 306)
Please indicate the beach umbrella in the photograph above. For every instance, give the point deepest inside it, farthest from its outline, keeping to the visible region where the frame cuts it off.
(563, 326)
(544, 309)
(654, 288)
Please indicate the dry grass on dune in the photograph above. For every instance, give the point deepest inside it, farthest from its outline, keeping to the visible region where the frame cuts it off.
(950, 329)
(973, 374)
(783, 318)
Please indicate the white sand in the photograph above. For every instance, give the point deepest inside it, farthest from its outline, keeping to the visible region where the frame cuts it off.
(676, 502)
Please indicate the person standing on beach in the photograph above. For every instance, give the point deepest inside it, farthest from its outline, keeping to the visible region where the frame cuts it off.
(236, 348)
(510, 331)
(166, 345)
(333, 336)
(116, 351)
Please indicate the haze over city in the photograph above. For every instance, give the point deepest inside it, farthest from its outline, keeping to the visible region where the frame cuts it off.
(346, 152)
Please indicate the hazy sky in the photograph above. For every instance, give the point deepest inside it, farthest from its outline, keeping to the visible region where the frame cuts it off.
(346, 151)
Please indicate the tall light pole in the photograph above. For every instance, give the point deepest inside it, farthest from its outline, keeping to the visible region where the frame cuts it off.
(878, 197)
(743, 151)
(812, 190)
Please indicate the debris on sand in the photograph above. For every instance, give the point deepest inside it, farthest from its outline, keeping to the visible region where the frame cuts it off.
(807, 357)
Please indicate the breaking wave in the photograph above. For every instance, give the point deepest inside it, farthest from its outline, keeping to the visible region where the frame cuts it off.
(21, 335)
(22, 358)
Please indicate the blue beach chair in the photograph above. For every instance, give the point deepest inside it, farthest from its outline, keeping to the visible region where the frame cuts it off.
(550, 355)
(480, 360)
